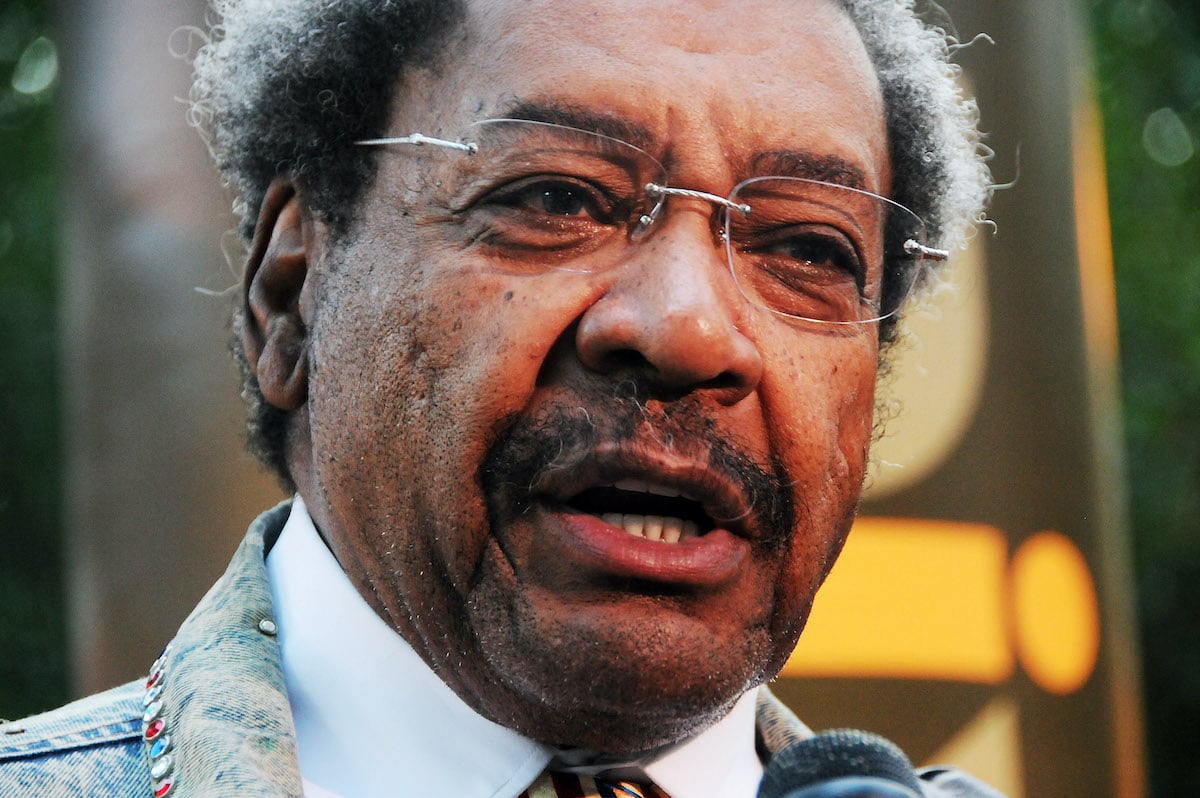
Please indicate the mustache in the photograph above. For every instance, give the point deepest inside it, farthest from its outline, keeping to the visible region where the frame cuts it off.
(564, 434)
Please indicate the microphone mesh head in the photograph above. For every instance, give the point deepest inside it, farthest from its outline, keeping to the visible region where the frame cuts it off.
(835, 754)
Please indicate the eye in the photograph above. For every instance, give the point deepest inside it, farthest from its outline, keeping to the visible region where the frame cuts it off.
(548, 220)
(804, 270)
(560, 197)
(816, 253)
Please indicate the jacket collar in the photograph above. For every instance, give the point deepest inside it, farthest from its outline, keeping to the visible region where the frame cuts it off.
(216, 702)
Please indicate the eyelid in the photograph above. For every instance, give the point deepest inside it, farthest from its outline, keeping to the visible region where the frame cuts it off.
(779, 232)
(594, 195)
(823, 233)
(617, 187)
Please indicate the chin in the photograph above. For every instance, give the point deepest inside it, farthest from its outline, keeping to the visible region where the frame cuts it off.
(617, 681)
(615, 723)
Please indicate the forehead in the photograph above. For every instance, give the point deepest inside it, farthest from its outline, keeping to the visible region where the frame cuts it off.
(717, 79)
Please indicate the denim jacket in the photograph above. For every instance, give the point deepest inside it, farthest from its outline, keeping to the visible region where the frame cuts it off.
(212, 718)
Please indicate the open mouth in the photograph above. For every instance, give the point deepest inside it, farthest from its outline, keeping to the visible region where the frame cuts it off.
(645, 509)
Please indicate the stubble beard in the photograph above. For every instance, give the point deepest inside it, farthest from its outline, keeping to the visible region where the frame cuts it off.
(590, 696)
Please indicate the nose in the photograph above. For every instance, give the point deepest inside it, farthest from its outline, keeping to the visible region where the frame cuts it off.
(671, 315)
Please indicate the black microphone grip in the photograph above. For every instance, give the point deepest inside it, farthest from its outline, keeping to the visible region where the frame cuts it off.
(844, 763)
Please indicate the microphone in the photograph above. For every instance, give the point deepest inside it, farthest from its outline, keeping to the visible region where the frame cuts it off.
(843, 763)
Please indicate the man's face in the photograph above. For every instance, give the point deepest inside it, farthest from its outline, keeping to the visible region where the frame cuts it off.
(471, 426)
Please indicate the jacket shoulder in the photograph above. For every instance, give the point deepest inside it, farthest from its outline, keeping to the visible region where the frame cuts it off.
(88, 747)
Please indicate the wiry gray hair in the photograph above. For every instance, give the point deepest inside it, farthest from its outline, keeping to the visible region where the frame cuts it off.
(938, 157)
(284, 87)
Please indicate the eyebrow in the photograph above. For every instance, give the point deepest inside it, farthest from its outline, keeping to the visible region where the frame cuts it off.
(798, 163)
(576, 116)
(782, 163)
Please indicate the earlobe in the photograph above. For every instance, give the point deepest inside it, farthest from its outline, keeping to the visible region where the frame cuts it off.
(274, 327)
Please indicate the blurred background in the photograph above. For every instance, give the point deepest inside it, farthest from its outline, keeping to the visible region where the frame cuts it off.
(93, 210)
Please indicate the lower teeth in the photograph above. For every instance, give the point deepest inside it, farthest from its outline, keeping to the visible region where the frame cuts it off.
(654, 527)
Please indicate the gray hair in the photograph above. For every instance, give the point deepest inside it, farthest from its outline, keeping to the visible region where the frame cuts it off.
(938, 157)
(284, 87)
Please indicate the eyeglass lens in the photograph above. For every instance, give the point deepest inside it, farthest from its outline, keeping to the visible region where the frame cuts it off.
(544, 196)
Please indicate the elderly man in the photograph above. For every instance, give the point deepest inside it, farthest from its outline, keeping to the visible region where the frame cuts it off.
(563, 321)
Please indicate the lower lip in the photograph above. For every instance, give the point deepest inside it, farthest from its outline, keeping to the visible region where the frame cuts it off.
(705, 561)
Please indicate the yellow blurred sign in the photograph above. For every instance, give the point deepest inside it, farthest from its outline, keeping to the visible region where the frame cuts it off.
(939, 600)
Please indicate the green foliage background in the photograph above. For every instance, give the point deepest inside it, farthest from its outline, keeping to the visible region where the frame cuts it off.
(32, 661)
(1147, 55)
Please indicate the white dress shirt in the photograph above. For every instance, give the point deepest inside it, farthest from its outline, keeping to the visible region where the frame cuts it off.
(372, 719)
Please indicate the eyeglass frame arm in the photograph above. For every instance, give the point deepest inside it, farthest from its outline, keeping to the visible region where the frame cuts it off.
(420, 139)
(914, 247)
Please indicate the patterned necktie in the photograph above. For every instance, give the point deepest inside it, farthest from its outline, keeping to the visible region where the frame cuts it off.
(553, 784)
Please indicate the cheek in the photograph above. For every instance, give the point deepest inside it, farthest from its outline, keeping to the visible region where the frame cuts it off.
(820, 400)
(459, 350)
(481, 345)
(820, 406)
(413, 376)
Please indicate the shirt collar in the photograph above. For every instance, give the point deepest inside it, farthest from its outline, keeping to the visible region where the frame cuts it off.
(719, 761)
(373, 719)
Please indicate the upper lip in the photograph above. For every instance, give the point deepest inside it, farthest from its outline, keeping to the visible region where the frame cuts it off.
(720, 495)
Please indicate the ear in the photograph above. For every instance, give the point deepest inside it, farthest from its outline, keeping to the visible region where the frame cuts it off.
(274, 327)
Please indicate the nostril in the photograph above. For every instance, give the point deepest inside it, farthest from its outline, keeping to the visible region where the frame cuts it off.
(665, 375)
(620, 359)
(726, 379)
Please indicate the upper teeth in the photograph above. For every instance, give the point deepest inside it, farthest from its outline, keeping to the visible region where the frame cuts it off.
(639, 486)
